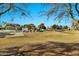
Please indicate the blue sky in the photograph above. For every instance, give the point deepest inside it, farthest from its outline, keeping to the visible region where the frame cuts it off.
(36, 19)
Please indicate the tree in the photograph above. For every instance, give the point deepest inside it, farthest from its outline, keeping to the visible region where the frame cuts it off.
(65, 27)
(41, 26)
(64, 10)
(13, 8)
(25, 26)
(29, 26)
(32, 26)
(54, 26)
(61, 10)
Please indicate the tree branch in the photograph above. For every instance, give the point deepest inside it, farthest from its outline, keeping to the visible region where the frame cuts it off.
(6, 10)
(76, 7)
(70, 11)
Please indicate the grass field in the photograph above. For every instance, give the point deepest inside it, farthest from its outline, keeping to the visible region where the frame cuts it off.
(35, 37)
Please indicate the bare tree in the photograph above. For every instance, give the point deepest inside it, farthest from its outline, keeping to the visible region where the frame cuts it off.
(62, 10)
(15, 9)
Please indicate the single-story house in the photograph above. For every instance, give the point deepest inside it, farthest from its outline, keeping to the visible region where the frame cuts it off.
(12, 27)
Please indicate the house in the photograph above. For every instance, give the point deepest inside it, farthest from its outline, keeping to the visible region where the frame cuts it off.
(2, 28)
(12, 27)
(28, 30)
(25, 30)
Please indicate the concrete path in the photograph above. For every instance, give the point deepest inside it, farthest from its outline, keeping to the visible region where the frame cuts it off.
(16, 34)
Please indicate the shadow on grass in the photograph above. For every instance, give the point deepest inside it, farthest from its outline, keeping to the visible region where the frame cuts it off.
(43, 49)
